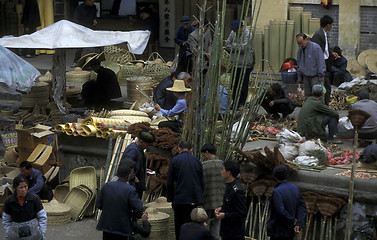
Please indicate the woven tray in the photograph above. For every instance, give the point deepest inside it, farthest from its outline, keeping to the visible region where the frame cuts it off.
(61, 191)
(57, 213)
(83, 176)
(76, 199)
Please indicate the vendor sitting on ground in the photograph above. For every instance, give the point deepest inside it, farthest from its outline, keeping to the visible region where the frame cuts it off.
(179, 109)
(161, 96)
(338, 72)
(36, 181)
(277, 101)
(100, 91)
(315, 115)
(369, 130)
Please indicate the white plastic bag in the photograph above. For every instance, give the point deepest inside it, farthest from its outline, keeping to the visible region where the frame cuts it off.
(307, 161)
(288, 136)
(289, 151)
(345, 128)
(16, 72)
(307, 147)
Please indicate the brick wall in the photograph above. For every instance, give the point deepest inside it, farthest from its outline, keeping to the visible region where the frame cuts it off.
(318, 12)
(368, 31)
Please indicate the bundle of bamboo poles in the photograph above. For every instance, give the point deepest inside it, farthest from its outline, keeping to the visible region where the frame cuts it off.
(203, 112)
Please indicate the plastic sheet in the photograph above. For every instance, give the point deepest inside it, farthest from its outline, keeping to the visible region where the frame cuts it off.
(66, 34)
(15, 72)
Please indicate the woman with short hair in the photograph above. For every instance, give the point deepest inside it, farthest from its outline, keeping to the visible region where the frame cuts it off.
(24, 216)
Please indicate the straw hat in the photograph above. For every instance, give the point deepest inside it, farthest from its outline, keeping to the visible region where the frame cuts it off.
(99, 56)
(154, 215)
(83, 59)
(371, 62)
(363, 55)
(356, 69)
(179, 86)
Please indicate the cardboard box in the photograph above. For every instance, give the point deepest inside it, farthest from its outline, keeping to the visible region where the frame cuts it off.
(40, 157)
(5, 171)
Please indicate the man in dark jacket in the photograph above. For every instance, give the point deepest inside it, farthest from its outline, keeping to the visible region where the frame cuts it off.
(142, 230)
(288, 209)
(166, 99)
(233, 211)
(119, 202)
(135, 152)
(36, 181)
(102, 90)
(338, 72)
(85, 15)
(277, 101)
(180, 39)
(320, 37)
(315, 115)
(185, 185)
(197, 229)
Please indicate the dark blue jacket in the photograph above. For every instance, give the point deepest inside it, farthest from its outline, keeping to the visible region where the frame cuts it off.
(287, 205)
(119, 202)
(340, 65)
(84, 15)
(35, 181)
(166, 99)
(185, 180)
(181, 37)
(136, 154)
(195, 231)
(234, 207)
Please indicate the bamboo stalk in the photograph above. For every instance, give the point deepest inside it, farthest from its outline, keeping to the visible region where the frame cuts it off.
(330, 230)
(251, 215)
(314, 229)
(307, 227)
(351, 188)
(255, 221)
(335, 222)
(260, 218)
(112, 159)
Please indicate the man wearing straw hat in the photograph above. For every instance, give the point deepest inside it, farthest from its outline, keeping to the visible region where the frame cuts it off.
(185, 185)
(288, 208)
(311, 64)
(119, 202)
(240, 46)
(179, 109)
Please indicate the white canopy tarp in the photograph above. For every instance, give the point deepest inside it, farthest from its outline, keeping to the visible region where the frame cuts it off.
(15, 72)
(66, 34)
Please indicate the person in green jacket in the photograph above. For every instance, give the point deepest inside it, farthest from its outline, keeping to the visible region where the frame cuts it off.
(315, 116)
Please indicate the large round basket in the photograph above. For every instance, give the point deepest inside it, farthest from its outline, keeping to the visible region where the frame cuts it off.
(38, 95)
(127, 71)
(159, 222)
(57, 213)
(144, 83)
(157, 71)
(77, 75)
(162, 205)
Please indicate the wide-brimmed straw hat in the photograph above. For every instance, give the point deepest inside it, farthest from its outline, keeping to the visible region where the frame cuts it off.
(371, 61)
(84, 58)
(179, 86)
(356, 69)
(363, 55)
(88, 60)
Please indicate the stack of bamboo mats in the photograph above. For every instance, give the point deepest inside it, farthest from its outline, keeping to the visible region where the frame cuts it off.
(102, 124)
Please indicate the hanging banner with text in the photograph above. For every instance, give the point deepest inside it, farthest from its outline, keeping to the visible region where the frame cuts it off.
(167, 22)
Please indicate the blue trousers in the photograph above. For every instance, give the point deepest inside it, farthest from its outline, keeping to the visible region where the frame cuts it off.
(332, 123)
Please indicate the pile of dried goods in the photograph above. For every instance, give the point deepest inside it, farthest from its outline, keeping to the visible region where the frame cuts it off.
(363, 175)
(338, 101)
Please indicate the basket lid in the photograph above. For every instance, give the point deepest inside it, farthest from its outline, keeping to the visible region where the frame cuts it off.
(161, 202)
(154, 215)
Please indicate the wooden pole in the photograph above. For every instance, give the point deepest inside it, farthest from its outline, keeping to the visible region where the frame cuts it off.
(58, 78)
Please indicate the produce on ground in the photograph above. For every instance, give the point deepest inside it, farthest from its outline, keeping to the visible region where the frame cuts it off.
(341, 158)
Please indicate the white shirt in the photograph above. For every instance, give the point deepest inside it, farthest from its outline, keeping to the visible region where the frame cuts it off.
(326, 52)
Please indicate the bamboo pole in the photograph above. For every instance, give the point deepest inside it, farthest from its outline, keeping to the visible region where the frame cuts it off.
(314, 229)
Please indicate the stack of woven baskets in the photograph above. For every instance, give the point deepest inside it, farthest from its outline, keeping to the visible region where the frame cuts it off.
(57, 213)
(162, 205)
(38, 95)
(118, 55)
(77, 75)
(83, 191)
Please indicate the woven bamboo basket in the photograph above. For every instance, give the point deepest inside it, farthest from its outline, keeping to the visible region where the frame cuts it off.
(76, 199)
(83, 176)
(113, 49)
(61, 191)
(89, 207)
(126, 71)
(111, 65)
(144, 82)
(132, 119)
(39, 94)
(162, 205)
(126, 112)
(156, 71)
(57, 213)
(47, 77)
(72, 91)
(77, 75)
(11, 155)
(159, 222)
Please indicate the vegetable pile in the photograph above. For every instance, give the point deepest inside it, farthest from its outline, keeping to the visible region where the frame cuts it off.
(341, 158)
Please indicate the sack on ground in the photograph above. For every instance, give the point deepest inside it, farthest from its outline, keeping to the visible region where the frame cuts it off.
(306, 147)
(288, 136)
(345, 128)
(307, 161)
(289, 151)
